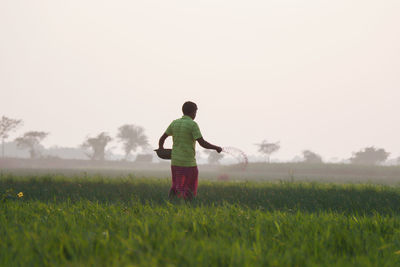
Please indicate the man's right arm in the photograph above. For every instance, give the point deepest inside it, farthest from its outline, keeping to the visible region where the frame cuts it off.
(167, 133)
(161, 141)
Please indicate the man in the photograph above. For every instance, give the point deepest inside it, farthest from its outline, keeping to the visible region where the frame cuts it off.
(185, 132)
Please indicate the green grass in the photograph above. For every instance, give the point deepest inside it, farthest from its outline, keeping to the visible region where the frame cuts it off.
(96, 221)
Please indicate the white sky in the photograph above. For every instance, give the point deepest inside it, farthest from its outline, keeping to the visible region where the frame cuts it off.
(312, 74)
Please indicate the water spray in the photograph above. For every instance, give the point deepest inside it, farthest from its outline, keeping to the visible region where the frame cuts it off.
(237, 154)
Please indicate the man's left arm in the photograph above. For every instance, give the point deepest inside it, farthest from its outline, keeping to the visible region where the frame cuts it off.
(207, 145)
(199, 138)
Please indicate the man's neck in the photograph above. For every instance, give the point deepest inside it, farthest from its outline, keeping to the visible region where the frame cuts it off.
(189, 116)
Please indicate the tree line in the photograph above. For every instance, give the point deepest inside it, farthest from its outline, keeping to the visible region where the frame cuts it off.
(133, 137)
(368, 155)
(130, 136)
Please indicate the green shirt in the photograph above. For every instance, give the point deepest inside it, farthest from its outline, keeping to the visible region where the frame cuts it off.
(184, 133)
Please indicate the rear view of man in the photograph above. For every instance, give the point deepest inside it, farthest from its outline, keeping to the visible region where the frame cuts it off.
(185, 132)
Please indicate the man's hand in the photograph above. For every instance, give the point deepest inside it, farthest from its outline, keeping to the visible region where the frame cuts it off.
(218, 149)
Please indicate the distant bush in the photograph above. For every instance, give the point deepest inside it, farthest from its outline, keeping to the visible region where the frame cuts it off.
(213, 156)
(311, 157)
(97, 146)
(369, 156)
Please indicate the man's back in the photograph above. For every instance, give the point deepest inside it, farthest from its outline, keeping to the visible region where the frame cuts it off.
(184, 132)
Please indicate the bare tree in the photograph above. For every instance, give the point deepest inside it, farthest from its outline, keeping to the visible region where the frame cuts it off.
(311, 157)
(213, 156)
(268, 148)
(31, 140)
(132, 137)
(370, 155)
(97, 145)
(7, 126)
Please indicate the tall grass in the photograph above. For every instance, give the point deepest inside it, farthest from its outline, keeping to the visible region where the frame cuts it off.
(95, 221)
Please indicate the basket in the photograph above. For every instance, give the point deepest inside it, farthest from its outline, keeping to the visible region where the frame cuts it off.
(164, 153)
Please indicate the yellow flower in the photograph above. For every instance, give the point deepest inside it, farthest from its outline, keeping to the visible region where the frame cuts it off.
(20, 194)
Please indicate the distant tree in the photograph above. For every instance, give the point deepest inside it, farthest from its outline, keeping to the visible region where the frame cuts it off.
(7, 126)
(311, 157)
(132, 137)
(370, 156)
(268, 148)
(213, 156)
(31, 140)
(97, 145)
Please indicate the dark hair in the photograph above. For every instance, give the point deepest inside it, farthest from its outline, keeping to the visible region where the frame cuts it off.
(189, 107)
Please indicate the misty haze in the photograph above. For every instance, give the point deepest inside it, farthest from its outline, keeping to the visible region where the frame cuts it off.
(208, 133)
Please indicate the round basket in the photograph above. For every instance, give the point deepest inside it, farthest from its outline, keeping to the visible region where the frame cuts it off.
(164, 153)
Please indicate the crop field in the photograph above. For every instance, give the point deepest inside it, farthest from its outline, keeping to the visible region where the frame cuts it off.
(125, 221)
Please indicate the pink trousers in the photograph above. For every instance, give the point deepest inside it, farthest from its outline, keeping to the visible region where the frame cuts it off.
(184, 181)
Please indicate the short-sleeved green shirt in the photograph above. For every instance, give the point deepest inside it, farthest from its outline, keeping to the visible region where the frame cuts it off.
(184, 133)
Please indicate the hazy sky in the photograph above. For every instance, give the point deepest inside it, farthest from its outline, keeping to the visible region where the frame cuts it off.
(312, 74)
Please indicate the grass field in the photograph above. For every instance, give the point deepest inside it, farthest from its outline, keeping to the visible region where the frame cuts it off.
(97, 221)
